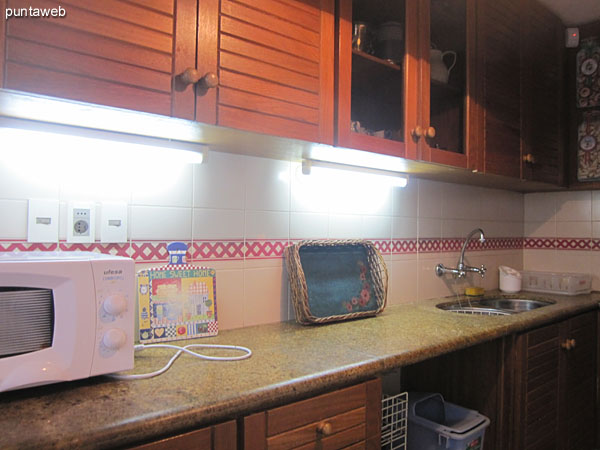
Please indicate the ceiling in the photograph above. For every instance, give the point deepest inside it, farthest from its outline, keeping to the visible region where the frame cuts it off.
(575, 12)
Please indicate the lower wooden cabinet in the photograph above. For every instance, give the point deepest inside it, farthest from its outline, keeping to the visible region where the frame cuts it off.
(346, 418)
(555, 386)
(216, 437)
(538, 388)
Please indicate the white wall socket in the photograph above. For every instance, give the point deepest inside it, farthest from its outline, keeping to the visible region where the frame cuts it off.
(42, 221)
(81, 222)
(113, 222)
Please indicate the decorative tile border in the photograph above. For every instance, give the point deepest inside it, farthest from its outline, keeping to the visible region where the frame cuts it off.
(236, 250)
(22, 246)
(561, 244)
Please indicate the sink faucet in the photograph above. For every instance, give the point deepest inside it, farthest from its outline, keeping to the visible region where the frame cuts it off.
(461, 268)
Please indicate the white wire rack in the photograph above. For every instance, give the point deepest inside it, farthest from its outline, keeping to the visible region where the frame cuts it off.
(394, 409)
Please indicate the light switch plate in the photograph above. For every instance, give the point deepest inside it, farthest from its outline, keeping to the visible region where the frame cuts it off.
(81, 222)
(113, 222)
(42, 220)
(572, 37)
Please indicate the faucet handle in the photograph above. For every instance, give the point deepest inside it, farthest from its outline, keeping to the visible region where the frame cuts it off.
(482, 270)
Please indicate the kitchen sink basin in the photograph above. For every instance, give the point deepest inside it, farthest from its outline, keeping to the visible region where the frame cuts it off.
(494, 306)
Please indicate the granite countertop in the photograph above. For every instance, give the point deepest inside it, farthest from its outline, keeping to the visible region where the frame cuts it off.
(290, 361)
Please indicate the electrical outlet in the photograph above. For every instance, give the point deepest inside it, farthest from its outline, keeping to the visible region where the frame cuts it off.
(80, 222)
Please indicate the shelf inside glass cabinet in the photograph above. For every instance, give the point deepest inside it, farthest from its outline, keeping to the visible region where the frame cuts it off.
(377, 96)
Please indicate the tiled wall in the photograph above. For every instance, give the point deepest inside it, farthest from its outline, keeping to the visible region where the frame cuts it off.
(562, 233)
(238, 213)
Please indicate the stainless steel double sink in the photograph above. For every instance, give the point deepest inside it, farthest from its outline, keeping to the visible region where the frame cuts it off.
(494, 306)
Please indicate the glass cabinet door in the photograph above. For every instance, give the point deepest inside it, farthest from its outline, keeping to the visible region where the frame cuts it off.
(444, 111)
(372, 75)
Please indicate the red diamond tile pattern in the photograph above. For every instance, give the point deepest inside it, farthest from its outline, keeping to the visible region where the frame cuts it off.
(12, 246)
(539, 243)
(217, 250)
(574, 244)
(404, 246)
(230, 250)
(265, 249)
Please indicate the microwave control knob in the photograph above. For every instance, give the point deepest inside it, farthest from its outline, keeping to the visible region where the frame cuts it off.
(115, 304)
(114, 339)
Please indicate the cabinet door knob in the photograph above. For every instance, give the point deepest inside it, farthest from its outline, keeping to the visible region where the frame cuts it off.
(192, 76)
(529, 158)
(325, 428)
(567, 344)
(430, 133)
(417, 133)
(573, 343)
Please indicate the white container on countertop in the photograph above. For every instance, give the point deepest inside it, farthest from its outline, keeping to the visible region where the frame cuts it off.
(509, 279)
(557, 283)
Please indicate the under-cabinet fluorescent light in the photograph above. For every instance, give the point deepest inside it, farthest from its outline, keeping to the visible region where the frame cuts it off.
(72, 148)
(369, 176)
(95, 165)
(359, 158)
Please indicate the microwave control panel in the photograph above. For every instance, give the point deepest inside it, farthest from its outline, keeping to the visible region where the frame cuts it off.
(115, 308)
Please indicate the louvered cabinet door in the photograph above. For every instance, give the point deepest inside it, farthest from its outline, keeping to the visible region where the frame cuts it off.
(276, 67)
(109, 52)
(542, 60)
(579, 380)
(537, 390)
(555, 383)
(499, 54)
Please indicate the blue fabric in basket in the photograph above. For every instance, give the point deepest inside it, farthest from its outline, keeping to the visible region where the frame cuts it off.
(338, 280)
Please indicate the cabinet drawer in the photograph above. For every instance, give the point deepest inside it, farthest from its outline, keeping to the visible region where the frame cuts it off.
(349, 426)
(315, 409)
(346, 418)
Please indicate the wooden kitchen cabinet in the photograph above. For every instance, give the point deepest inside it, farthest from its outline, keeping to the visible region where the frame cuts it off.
(520, 77)
(276, 65)
(543, 125)
(217, 437)
(113, 53)
(346, 418)
(406, 108)
(555, 386)
(263, 66)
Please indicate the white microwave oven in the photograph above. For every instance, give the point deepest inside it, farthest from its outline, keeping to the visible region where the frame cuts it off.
(64, 316)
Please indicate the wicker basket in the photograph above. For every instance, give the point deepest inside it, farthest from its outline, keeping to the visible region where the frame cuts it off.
(333, 280)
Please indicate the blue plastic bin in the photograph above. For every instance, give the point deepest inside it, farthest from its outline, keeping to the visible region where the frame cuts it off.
(436, 424)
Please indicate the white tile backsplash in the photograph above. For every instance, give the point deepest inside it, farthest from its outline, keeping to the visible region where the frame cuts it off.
(173, 190)
(345, 226)
(461, 202)
(430, 199)
(540, 207)
(405, 201)
(458, 228)
(539, 229)
(160, 223)
(239, 197)
(595, 205)
(574, 229)
(14, 219)
(218, 224)
(18, 183)
(267, 184)
(220, 182)
(429, 228)
(574, 206)
(267, 225)
(377, 227)
(308, 225)
(404, 228)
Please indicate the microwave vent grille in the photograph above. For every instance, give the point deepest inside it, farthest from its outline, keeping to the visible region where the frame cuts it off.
(26, 320)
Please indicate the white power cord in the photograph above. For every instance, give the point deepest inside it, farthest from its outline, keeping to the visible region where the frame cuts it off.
(185, 349)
